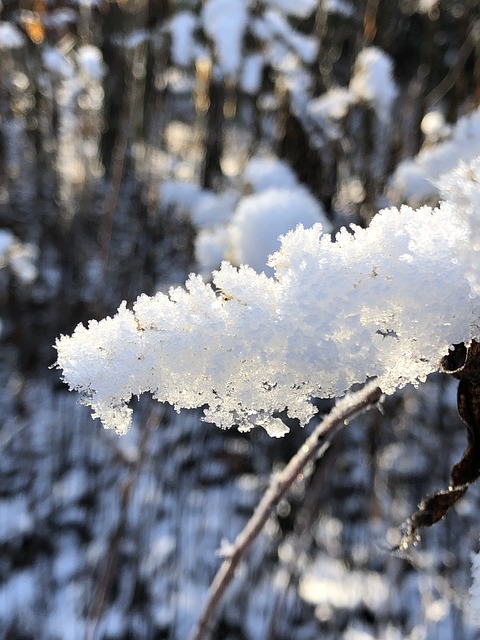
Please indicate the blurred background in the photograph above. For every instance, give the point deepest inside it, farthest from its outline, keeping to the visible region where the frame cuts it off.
(141, 140)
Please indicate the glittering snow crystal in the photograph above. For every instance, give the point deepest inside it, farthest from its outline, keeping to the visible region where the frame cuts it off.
(384, 302)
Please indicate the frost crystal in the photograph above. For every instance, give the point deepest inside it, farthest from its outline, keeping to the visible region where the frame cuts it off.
(384, 302)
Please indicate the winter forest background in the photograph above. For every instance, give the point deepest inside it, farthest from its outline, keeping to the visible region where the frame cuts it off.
(143, 140)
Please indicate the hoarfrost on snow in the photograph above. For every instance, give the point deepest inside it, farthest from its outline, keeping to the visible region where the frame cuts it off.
(462, 187)
(336, 313)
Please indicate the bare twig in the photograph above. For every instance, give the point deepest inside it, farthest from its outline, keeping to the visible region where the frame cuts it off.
(315, 445)
(452, 76)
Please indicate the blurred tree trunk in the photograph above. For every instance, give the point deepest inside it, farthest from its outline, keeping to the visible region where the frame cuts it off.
(214, 127)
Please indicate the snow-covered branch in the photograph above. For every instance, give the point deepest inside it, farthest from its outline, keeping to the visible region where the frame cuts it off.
(383, 302)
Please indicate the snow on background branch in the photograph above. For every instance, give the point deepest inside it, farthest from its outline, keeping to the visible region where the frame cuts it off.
(243, 225)
(415, 180)
(384, 302)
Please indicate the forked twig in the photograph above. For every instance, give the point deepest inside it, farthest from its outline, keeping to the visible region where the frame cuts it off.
(314, 446)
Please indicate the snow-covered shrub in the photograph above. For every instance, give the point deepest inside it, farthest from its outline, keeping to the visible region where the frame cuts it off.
(226, 24)
(385, 302)
(241, 226)
(260, 219)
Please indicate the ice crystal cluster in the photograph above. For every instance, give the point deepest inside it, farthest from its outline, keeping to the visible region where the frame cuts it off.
(384, 302)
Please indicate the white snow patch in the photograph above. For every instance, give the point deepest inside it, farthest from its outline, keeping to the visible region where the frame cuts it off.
(415, 179)
(182, 27)
(225, 21)
(10, 37)
(251, 79)
(342, 7)
(15, 518)
(298, 8)
(90, 61)
(264, 172)
(262, 218)
(373, 81)
(57, 63)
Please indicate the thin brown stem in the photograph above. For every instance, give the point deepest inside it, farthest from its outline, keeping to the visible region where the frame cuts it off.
(452, 76)
(314, 446)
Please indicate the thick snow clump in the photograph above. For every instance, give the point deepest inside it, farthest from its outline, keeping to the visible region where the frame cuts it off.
(384, 302)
